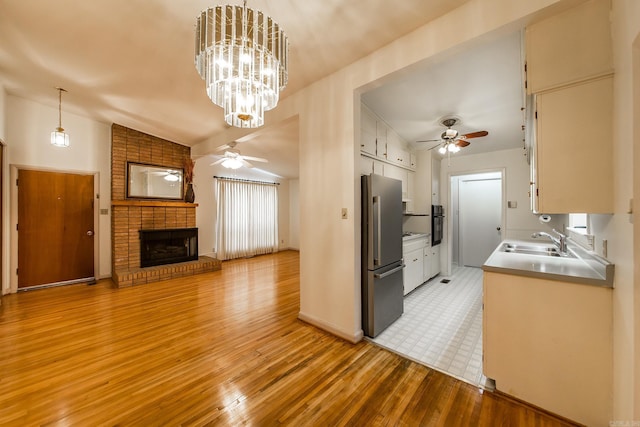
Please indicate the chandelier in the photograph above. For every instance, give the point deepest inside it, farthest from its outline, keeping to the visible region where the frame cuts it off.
(58, 137)
(242, 56)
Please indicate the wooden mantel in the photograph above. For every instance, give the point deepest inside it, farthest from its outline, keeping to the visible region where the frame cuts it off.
(153, 203)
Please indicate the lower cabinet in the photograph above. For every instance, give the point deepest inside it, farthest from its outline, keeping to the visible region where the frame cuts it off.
(549, 343)
(413, 270)
(426, 263)
(416, 254)
(435, 260)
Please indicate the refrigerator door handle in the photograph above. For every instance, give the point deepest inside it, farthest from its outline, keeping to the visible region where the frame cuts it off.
(388, 273)
(378, 230)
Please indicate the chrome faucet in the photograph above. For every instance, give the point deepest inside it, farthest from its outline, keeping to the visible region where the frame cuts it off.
(560, 241)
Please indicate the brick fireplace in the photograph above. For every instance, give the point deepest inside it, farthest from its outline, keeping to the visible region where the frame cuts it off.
(129, 216)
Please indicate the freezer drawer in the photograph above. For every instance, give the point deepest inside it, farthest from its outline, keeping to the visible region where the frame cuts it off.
(382, 298)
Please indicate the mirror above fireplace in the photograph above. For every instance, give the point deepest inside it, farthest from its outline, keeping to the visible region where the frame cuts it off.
(154, 182)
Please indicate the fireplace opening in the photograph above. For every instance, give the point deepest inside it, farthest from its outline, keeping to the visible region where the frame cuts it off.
(168, 246)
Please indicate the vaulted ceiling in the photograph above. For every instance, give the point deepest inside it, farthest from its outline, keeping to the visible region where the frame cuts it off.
(131, 62)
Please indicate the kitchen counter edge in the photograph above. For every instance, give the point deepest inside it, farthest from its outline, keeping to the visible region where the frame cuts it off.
(581, 271)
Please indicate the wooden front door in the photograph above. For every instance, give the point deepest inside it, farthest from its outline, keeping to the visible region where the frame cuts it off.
(55, 227)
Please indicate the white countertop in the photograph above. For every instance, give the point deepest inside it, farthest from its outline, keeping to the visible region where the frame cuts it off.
(413, 236)
(585, 268)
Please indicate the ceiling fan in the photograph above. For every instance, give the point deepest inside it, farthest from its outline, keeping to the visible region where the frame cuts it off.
(232, 159)
(451, 140)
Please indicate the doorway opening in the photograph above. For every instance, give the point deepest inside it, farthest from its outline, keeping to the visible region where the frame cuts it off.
(476, 217)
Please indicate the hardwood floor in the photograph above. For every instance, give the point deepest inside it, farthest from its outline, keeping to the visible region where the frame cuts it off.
(221, 348)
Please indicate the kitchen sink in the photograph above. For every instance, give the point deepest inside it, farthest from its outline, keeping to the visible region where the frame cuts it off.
(544, 250)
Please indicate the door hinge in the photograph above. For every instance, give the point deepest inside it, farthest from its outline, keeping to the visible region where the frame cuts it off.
(16, 182)
(536, 115)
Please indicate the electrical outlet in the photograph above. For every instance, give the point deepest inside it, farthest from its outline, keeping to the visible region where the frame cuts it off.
(345, 213)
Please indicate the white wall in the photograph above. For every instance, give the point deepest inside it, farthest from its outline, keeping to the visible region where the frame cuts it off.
(618, 229)
(519, 222)
(329, 154)
(204, 188)
(294, 214)
(3, 97)
(28, 136)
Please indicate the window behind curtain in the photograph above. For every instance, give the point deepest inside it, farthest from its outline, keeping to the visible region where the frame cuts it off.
(247, 218)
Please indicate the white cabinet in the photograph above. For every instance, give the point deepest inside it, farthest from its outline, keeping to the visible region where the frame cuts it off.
(369, 165)
(549, 343)
(570, 72)
(396, 149)
(413, 270)
(413, 252)
(378, 140)
(574, 152)
(381, 139)
(571, 46)
(435, 260)
(426, 263)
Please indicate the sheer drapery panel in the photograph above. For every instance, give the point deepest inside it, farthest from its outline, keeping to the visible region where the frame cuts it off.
(247, 218)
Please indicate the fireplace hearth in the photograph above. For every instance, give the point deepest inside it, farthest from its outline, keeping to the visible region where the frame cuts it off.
(168, 246)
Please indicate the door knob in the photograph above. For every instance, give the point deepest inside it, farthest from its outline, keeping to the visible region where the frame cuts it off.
(89, 233)
(498, 228)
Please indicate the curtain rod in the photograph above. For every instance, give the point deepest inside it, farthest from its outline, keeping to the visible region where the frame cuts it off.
(245, 180)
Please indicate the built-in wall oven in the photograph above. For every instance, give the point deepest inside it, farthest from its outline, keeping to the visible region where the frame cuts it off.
(437, 224)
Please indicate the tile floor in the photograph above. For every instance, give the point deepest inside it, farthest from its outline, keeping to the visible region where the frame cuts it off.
(442, 326)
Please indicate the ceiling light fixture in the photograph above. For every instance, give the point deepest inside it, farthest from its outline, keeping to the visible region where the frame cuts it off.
(232, 163)
(242, 55)
(58, 137)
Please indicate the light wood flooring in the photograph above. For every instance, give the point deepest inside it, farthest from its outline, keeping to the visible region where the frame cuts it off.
(221, 348)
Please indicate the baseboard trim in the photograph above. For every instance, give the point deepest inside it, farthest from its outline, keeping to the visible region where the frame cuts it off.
(331, 328)
(536, 408)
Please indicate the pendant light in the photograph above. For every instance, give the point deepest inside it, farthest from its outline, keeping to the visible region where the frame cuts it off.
(243, 56)
(58, 137)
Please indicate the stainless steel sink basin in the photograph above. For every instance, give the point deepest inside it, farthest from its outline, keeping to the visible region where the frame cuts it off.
(544, 250)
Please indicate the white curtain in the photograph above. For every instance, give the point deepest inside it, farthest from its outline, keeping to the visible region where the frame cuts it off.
(247, 218)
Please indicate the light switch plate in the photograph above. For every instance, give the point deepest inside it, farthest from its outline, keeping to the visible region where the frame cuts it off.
(345, 214)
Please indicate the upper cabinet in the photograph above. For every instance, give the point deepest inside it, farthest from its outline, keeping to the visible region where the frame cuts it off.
(570, 80)
(572, 46)
(368, 133)
(379, 141)
(574, 156)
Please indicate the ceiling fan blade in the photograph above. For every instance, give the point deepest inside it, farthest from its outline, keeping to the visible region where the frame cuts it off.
(255, 159)
(217, 161)
(430, 140)
(223, 147)
(246, 164)
(462, 143)
(475, 134)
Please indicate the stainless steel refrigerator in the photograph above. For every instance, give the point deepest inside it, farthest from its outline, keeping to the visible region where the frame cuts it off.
(382, 263)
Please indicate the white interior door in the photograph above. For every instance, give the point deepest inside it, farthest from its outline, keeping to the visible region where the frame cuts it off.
(480, 219)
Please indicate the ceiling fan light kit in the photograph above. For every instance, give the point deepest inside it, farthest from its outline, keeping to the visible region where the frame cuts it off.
(451, 141)
(232, 159)
(243, 56)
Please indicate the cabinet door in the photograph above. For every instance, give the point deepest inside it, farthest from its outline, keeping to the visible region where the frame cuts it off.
(413, 270)
(426, 264)
(396, 151)
(435, 260)
(400, 174)
(367, 132)
(574, 148)
(381, 139)
(569, 47)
